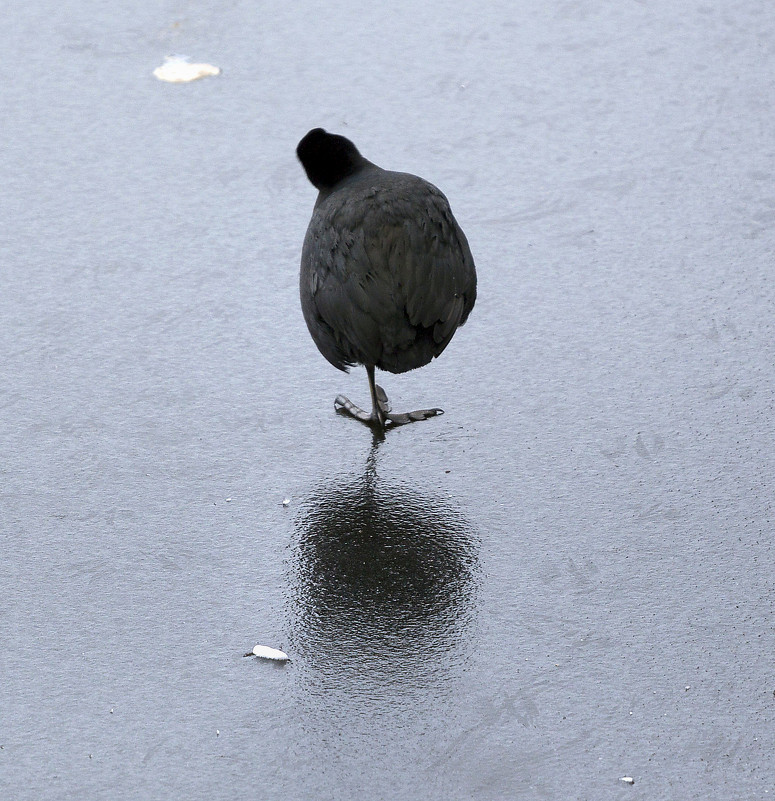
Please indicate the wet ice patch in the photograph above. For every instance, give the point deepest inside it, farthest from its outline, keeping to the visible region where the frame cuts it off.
(179, 69)
(265, 652)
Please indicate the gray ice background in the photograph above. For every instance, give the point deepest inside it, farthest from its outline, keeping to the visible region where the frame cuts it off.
(565, 580)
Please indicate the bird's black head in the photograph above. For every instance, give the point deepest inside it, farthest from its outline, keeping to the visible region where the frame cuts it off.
(328, 158)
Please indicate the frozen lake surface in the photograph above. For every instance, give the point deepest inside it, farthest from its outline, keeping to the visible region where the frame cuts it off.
(565, 580)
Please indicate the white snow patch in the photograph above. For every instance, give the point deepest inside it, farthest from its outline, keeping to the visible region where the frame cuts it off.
(265, 652)
(178, 69)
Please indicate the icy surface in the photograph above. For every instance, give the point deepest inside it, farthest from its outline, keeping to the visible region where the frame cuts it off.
(504, 602)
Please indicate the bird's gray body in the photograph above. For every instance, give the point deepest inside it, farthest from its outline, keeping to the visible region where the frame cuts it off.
(386, 272)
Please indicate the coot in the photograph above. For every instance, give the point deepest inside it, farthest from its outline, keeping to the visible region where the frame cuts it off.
(386, 272)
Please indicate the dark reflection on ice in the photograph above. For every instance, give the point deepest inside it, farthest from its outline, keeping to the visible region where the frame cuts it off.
(384, 580)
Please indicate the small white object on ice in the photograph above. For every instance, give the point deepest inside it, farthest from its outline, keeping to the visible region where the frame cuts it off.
(627, 780)
(178, 69)
(286, 501)
(265, 652)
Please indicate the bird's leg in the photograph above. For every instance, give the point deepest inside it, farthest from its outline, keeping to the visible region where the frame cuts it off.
(380, 405)
(381, 416)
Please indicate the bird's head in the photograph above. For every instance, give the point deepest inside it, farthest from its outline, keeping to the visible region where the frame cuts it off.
(328, 158)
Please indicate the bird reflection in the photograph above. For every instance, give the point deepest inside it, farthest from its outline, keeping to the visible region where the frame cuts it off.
(385, 577)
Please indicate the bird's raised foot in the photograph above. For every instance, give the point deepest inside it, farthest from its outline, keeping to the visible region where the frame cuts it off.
(344, 405)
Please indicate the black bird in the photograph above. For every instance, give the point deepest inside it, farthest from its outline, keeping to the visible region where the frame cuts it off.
(386, 272)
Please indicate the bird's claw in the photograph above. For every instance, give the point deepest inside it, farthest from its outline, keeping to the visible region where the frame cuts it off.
(346, 406)
(412, 417)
